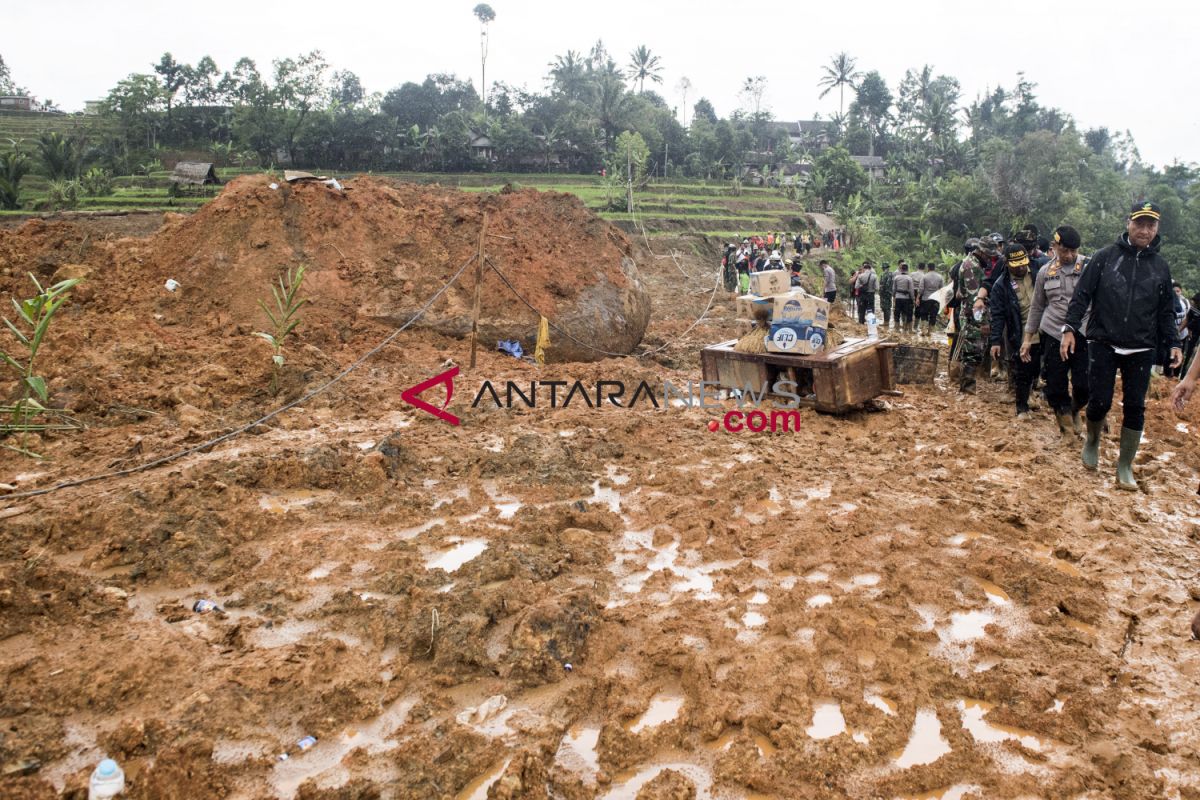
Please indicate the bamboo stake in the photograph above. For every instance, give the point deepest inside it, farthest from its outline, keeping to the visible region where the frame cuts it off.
(478, 288)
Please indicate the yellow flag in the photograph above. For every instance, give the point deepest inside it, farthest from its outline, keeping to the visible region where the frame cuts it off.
(543, 341)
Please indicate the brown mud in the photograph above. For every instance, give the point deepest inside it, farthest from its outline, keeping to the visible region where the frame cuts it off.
(923, 599)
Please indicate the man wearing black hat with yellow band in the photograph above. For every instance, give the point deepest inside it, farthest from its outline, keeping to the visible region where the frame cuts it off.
(1052, 293)
(1127, 287)
(1011, 300)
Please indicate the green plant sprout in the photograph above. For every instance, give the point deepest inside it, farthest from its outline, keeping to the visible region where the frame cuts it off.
(284, 319)
(32, 395)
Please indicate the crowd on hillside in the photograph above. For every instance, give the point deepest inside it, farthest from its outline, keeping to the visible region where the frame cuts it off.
(759, 252)
(1035, 311)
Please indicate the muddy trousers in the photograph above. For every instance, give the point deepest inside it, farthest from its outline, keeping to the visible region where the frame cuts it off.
(885, 305)
(1024, 375)
(1058, 373)
(1103, 364)
(904, 313)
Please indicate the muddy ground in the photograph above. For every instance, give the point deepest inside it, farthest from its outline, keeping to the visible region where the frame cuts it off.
(923, 599)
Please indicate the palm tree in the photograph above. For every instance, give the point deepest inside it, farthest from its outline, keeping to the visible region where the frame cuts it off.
(484, 13)
(612, 103)
(644, 65)
(684, 86)
(839, 74)
(568, 74)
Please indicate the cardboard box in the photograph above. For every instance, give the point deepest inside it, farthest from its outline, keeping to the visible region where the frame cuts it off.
(796, 338)
(770, 282)
(797, 306)
(746, 304)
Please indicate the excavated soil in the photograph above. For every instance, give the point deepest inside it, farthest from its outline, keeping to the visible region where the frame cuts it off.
(923, 599)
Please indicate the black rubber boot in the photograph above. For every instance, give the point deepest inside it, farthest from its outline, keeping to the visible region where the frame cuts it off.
(1091, 444)
(1130, 439)
(966, 384)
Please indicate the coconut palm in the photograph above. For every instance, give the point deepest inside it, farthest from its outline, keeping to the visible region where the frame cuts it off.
(643, 64)
(568, 74)
(484, 13)
(839, 74)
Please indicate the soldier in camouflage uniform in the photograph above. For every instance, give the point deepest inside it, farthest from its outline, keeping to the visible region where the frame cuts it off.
(885, 293)
(971, 291)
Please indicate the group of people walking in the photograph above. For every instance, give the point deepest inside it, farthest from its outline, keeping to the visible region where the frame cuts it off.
(760, 252)
(910, 295)
(1076, 321)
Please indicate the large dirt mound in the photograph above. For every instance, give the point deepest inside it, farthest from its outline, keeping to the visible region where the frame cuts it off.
(381, 249)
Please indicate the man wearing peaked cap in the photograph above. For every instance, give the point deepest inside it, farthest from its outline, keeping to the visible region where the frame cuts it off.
(1127, 287)
(1052, 292)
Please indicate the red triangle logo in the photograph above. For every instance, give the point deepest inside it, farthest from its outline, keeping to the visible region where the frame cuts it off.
(410, 396)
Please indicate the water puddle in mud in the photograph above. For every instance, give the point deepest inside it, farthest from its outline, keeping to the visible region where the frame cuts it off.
(882, 703)
(926, 744)
(959, 539)
(606, 495)
(1047, 557)
(1056, 708)
(577, 751)
(1080, 625)
(283, 502)
(461, 493)
(994, 593)
(827, 720)
(627, 784)
(321, 572)
(822, 492)
(287, 776)
(984, 732)
(753, 619)
(759, 599)
(663, 708)
(955, 792)
(765, 747)
(967, 626)
(816, 576)
(818, 600)
(478, 788)
(292, 631)
(859, 581)
(462, 552)
(694, 576)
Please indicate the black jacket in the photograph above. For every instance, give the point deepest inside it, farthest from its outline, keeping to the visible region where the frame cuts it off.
(1005, 309)
(1129, 292)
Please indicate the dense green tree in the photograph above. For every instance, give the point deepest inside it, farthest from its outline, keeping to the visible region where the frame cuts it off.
(840, 174)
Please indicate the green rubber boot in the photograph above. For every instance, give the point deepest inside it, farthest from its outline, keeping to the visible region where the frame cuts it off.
(1130, 439)
(1091, 444)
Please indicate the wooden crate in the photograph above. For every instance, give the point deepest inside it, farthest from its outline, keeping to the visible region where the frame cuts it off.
(914, 364)
(836, 381)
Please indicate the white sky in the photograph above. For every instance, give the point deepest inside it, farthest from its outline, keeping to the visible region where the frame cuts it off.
(1117, 64)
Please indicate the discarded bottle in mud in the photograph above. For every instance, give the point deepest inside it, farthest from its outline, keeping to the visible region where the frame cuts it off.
(108, 780)
(304, 744)
(205, 606)
(872, 327)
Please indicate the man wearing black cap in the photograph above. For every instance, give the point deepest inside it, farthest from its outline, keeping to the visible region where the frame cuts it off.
(1011, 300)
(1027, 237)
(1052, 292)
(1127, 286)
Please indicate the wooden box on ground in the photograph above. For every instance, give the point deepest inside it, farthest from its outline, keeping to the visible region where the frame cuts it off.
(914, 364)
(835, 381)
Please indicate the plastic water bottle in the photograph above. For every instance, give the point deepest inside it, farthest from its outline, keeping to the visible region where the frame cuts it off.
(872, 328)
(108, 780)
(978, 314)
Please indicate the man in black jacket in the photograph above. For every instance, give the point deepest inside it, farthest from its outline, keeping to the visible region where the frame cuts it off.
(1010, 300)
(1127, 286)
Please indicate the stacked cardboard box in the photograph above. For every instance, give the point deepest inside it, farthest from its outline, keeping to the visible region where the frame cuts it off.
(798, 324)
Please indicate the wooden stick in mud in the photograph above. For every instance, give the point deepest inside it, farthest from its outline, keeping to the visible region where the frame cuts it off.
(478, 287)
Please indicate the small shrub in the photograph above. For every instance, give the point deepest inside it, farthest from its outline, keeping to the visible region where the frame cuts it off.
(97, 182)
(64, 194)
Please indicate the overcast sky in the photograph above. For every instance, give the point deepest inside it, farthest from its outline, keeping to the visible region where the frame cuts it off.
(1121, 65)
